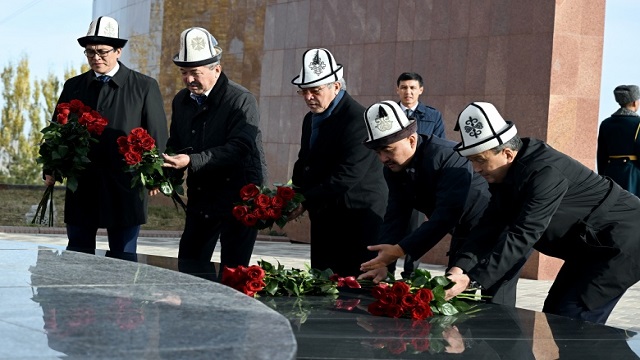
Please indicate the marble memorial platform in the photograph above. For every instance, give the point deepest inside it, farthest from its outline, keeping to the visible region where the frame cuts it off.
(56, 303)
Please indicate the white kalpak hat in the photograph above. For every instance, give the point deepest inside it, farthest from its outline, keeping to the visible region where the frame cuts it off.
(318, 68)
(482, 128)
(103, 31)
(387, 123)
(197, 48)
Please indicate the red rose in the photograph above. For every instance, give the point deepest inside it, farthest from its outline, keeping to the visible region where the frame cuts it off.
(421, 312)
(379, 290)
(424, 295)
(147, 143)
(132, 158)
(277, 201)
(76, 105)
(249, 192)
(263, 201)
(123, 145)
(249, 220)
(62, 118)
(63, 108)
(285, 192)
(274, 213)
(255, 285)
(240, 211)
(255, 272)
(400, 288)
(138, 133)
(261, 214)
(408, 300)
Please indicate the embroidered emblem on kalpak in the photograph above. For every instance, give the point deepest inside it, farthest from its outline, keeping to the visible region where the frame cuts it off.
(473, 127)
(383, 123)
(317, 65)
(110, 31)
(197, 43)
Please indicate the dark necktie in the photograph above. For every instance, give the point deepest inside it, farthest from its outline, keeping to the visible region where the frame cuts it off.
(104, 78)
(199, 99)
(409, 113)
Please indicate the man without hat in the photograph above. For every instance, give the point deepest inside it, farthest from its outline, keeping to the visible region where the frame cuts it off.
(618, 141)
(425, 173)
(341, 180)
(127, 99)
(215, 127)
(545, 200)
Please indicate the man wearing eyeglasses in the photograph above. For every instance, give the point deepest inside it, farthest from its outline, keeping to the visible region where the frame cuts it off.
(127, 99)
(341, 180)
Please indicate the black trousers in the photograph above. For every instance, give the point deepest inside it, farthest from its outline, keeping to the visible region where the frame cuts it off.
(565, 294)
(339, 239)
(201, 235)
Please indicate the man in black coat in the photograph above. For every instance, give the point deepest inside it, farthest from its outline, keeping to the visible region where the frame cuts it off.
(215, 126)
(127, 99)
(424, 173)
(544, 199)
(341, 180)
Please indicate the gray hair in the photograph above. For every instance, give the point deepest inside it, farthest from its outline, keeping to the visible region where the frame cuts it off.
(213, 65)
(515, 143)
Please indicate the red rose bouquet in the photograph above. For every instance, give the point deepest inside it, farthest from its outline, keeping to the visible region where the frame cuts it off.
(142, 158)
(271, 280)
(65, 148)
(419, 297)
(262, 207)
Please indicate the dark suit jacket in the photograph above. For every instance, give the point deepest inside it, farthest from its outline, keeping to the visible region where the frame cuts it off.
(104, 197)
(439, 183)
(542, 196)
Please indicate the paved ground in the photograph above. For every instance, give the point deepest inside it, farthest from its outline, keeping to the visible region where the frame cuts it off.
(531, 293)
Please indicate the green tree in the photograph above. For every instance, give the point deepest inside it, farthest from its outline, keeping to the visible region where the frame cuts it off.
(27, 108)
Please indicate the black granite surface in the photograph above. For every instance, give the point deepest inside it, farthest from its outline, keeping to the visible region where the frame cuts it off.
(132, 310)
(64, 304)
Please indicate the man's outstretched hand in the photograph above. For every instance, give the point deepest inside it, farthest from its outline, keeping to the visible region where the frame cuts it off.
(386, 255)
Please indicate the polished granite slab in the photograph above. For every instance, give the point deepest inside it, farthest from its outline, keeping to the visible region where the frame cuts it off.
(323, 327)
(65, 304)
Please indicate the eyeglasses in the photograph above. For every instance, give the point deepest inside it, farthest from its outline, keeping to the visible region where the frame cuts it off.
(315, 91)
(102, 53)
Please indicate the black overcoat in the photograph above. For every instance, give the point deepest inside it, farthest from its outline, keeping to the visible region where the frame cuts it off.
(542, 196)
(339, 170)
(104, 197)
(223, 140)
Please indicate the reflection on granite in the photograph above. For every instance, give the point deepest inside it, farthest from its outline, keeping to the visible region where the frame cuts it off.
(64, 304)
(67, 304)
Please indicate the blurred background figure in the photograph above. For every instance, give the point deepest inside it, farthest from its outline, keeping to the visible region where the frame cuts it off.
(618, 142)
